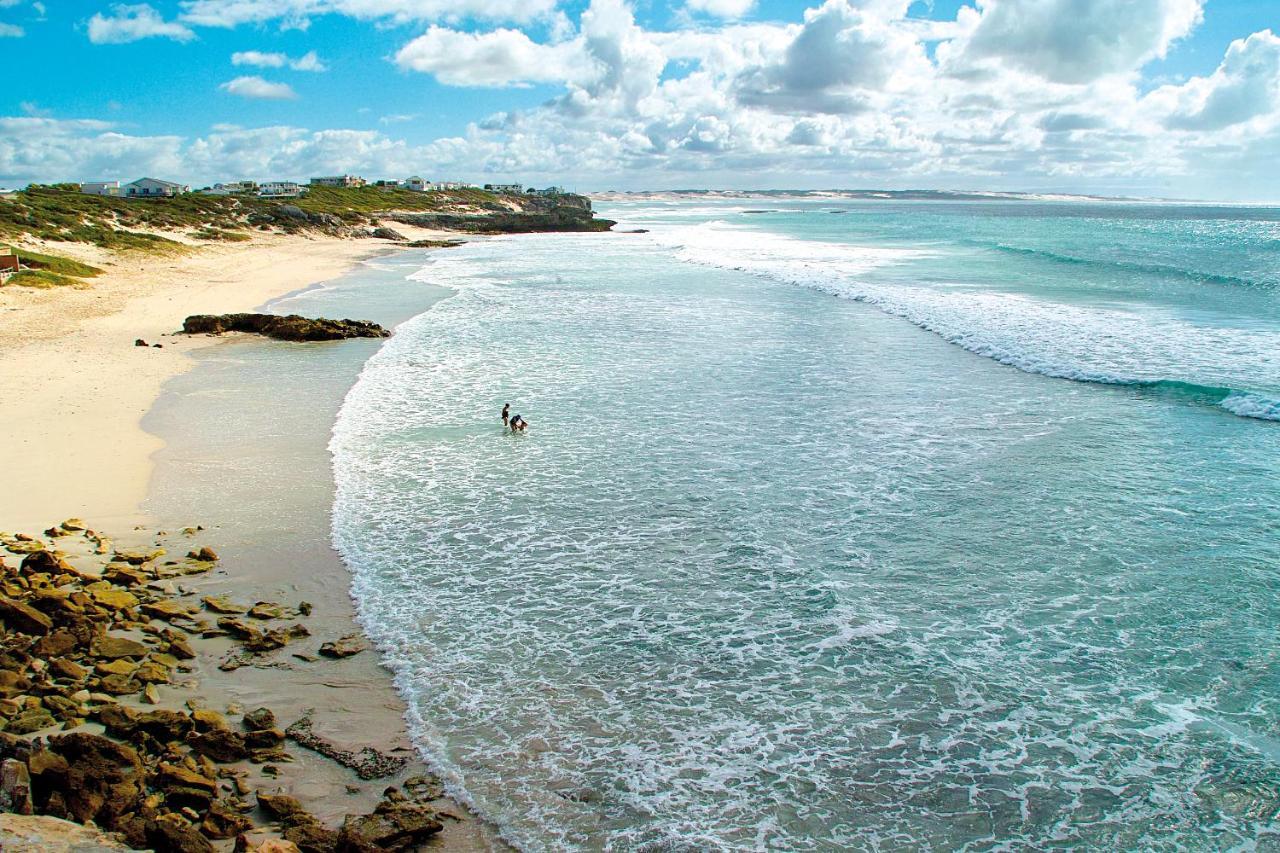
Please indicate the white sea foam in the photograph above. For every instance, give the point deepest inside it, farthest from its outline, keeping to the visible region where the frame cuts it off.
(1108, 345)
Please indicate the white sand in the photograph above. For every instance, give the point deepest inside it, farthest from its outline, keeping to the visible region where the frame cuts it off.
(75, 387)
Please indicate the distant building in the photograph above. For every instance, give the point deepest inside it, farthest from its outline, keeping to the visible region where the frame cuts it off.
(505, 189)
(344, 181)
(416, 184)
(549, 191)
(389, 185)
(153, 188)
(450, 185)
(9, 263)
(232, 188)
(280, 189)
(100, 188)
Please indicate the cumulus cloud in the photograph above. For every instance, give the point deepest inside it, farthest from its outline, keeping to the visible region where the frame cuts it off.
(1245, 86)
(1077, 41)
(231, 13)
(499, 58)
(722, 8)
(258, 59)
(11, 31)
(258, 88)
(128, 23)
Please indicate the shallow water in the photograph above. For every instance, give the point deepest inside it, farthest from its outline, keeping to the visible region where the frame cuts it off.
(797, 567)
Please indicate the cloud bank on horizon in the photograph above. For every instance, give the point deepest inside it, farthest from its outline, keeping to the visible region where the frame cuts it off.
(1062, 95)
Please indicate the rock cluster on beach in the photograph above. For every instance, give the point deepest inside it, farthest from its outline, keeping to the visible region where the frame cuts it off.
(286, 328)
(85, 736)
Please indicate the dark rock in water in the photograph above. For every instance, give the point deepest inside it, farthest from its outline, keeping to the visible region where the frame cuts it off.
(387, 234)
(205, 554)
(140, 343)
(344, 647)
(394, 825)
(288, 328)
(222, 745)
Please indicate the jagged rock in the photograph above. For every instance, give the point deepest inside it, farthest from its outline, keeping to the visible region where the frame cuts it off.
(259, 719)
(424, 788)
(283, 808)
(103, 779)
(23, 618)
(120, 685)
(383, 233)
(222, 821)
(114, 599)
(220, 604)
(238, 629)
(57, 643)
(29, 721)
(171, 832)
(110, 647)
(184, 787)
(137, 558)
(392, 826)
(123, 574)
(45, 562)
(120, 666)
(140, 343)
(15, 787)
(276, 638)
(73, 524)
(368, 763)
(288, 328)
(263, 739)
(278, 845)
(267, 610)
(343, 647)
(206, 719)
(222, 745)
(168, 609)
(204, 555)
(67, 669)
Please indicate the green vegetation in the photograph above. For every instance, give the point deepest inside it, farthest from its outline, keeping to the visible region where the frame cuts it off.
(351, 203)
(220, 235)
(43, 279)
(54, 264)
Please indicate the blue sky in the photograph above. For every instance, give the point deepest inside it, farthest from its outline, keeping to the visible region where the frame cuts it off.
(1147, 97)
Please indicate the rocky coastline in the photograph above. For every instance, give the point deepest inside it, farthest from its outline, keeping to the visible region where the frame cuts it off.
(102, 723)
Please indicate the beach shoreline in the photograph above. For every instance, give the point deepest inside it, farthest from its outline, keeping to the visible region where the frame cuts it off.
(89, 443)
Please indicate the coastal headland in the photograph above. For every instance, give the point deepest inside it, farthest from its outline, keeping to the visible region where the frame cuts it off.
(170, 696)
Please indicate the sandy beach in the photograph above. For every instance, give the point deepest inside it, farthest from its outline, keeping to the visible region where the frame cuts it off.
(79, 390)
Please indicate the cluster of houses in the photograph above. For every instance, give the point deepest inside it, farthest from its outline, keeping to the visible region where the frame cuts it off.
(156, 188)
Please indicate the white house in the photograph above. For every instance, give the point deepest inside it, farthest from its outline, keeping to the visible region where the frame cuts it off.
(550, 191)
(347, 181)
(232, 188)
(505, 189)
(154, 188)
(100, 188)
(280, 189)
(450, 185)
(416, 184)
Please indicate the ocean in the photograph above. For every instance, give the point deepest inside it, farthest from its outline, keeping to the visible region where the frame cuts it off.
(840, 524)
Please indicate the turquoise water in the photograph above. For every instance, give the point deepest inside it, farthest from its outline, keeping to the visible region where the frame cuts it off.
(876, 525)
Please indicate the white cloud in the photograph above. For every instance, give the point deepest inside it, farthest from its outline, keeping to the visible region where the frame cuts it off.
(256, 87)
(722, 8)
(230, 13)
(1077, 41)
(129, 23)
(308, 62)
(498, 58)
(1244, 87)
(397, 118)
(259, 59)
(11, 31)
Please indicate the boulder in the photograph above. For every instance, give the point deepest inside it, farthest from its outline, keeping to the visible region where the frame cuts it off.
(221, 604)
(32, 720)
(384, 233)
(259, 719)
(343, 647)
(15, 787)
(222, 821)
(172, 832)
(111, 647)
(393, 825)
(222, 745)
(287, 328)
(103, 780)
(23, 618)
(204, 555)
(267, 610)
(46, 834)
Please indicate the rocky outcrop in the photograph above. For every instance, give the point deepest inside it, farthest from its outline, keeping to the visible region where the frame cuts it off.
(383, 233)
(286, 328)
(78, 646)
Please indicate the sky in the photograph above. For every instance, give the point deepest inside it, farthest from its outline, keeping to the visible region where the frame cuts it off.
(1164, 98)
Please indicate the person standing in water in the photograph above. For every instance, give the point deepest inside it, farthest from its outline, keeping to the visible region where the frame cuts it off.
(506, 414)
(518, 424)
